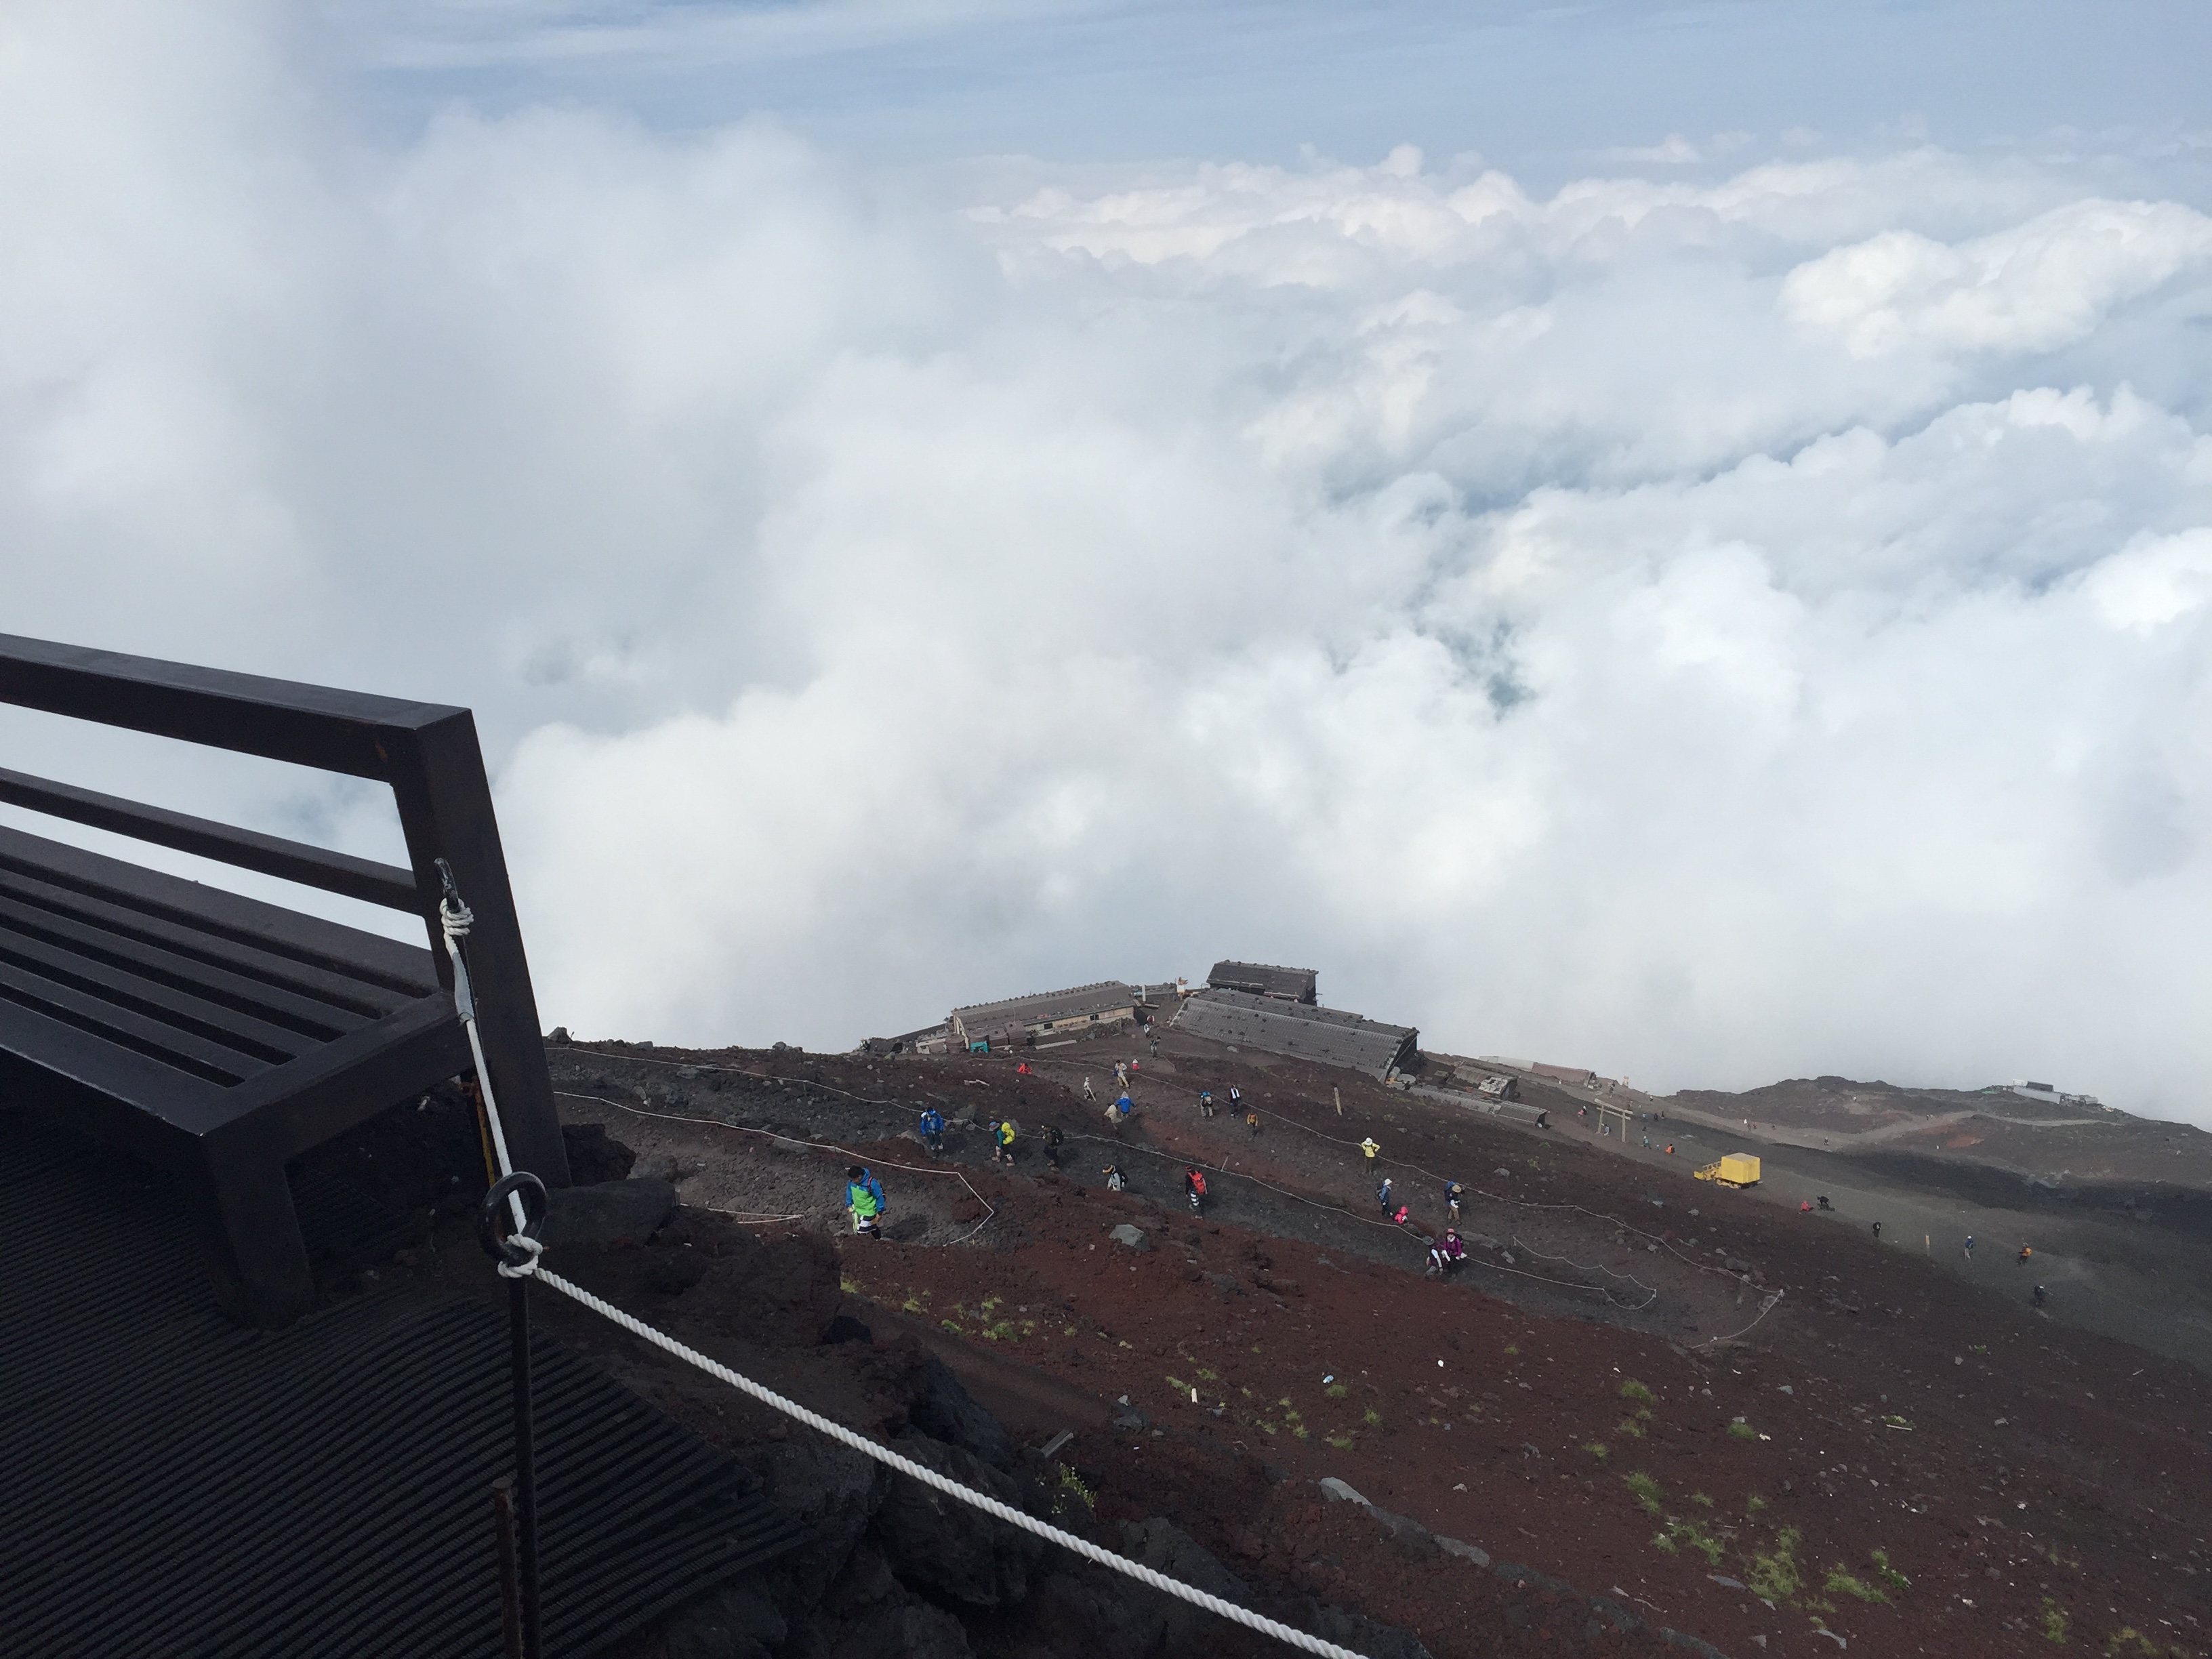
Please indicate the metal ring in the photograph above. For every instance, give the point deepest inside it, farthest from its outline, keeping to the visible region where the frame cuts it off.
(494, 1212)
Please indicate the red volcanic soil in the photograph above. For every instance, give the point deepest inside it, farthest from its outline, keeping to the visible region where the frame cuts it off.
(1886, 1457)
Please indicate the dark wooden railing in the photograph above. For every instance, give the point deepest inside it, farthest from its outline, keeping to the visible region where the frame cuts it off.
(222, 1035)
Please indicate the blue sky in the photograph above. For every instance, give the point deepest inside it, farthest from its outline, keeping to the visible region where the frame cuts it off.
(1539, 89)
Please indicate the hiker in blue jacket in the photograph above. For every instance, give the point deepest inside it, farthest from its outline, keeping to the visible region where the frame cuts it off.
(933, 1130)
(864, 1201)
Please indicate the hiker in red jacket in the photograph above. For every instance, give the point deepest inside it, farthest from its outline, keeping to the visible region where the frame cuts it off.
(1193, 1187)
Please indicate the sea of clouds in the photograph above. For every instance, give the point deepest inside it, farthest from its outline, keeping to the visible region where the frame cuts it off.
(1707, 630)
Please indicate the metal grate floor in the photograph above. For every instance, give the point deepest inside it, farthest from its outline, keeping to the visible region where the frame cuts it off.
(170, 1484)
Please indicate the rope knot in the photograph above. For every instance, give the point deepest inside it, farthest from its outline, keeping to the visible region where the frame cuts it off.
(455, 918)
(528, 1248)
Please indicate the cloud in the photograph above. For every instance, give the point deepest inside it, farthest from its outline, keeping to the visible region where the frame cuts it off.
(1709, 629)
(2032, 287)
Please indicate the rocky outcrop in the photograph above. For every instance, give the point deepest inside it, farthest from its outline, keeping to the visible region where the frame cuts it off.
(951, 1550)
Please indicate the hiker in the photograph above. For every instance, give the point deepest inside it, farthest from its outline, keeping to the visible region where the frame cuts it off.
(1087, 1092)
(2024, 1254)
(864, 1201)
(1052, 1141)
(1002, 1141)
(1156, 1045)
(1193, 1187)
(1252, 1122)
(1877, 1232)
(1022, 1070)
(933, 1130)
(1822, 1201)
(1121, 1073)
(1206, 1103)
(1807, 1206)
(1400, 1217)
(1118, 1114)
(1447, 1253)
(1115, 1181)
(1383, 1195)
(2036, 1296)
(1235, 1097)
(1670, 1149)
(1452, 1193)
(1368, 1149)
(1970, 1247)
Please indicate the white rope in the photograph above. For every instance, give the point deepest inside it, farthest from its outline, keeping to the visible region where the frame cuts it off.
(455, 918)
(929, 1477)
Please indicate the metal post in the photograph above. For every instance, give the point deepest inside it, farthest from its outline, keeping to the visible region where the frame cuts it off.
(510, 1584)
(525, 1468)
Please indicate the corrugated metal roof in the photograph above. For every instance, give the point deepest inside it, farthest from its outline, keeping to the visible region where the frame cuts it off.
(1263, 979)
(177, 1485)
(1077, 1003)
(1330, 1037)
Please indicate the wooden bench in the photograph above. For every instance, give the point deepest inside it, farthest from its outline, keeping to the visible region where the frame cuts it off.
(219, 1036)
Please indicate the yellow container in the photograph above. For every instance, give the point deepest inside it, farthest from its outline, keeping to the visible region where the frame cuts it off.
(1736, 1170)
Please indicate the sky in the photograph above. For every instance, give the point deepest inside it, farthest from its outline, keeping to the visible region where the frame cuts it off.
(1675, 539)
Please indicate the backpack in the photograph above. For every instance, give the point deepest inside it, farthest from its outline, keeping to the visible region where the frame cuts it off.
(1198, 1183)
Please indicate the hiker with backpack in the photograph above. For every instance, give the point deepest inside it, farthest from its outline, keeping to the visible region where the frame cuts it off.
(864, 1201)
(1052, 1138)
(1447, 1253)
(1002, 1141)
(933, 1130)
(1453, 1194)
(1193, 1187)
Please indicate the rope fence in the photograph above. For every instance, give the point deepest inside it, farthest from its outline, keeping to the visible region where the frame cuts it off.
(1660, 1240)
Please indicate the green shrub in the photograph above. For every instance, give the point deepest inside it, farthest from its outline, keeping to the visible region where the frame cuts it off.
(1742, 1431)
(1775, 1576)
(1696, 1537)
(1598, 1449)
(1646, 1490)
(1632, 1389)
(1840, 1582)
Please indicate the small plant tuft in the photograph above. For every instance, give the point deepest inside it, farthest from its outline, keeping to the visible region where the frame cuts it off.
(1646, 1490)
(1775, 1576)
(1742, 1431)
(1598, 1449)
(1632, 1389)
(2054, 1621)
(1840, 1582)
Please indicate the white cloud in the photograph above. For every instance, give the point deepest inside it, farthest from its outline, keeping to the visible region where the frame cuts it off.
(2032, 287)
(1713, 630)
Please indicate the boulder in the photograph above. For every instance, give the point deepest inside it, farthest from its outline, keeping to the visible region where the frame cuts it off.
(1079, 1611)
(1361, 1634)
(937, 1405)
(1164, 1547)
(1130, 1235)
(868, 1614)
(740, 1621)
(606, 1212)
(833, 1493)
(595, 1156)
(949, 1549)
